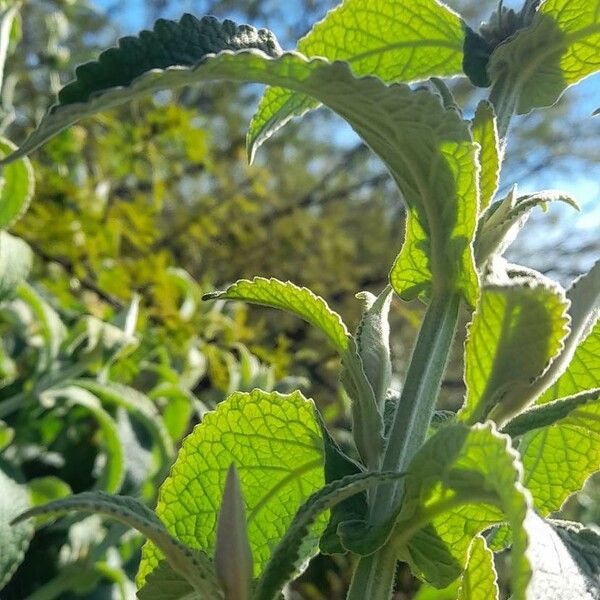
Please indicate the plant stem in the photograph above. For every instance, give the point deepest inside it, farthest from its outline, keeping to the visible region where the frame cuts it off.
(374, 576)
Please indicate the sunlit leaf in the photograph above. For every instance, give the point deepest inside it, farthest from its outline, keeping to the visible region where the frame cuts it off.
(287, 296)
(479, 580)
(517, 329)
(275, 443)
(396, 40)
(462, 481)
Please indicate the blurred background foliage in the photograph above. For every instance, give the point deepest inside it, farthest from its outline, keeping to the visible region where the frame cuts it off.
(141, 210)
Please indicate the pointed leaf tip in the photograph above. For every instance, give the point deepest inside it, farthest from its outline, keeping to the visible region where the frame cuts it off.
(233, 556)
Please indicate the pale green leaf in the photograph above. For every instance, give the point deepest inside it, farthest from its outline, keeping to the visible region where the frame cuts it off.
(16, 186)
(485, 133)
(559, 49)
(287, 296)
(396, 40)
(287, 555)
(14, 541)
(501, 223)
(47, 489)
(479, 580)
(51, 326)
(558, 459)
(16, 259)
(462, 481)
(578, 368)
(113, 473)
(192, 565)
(517, 329)
(373, 341)
(276, 446)
(142, 409)
(442, 211)
(565, 559)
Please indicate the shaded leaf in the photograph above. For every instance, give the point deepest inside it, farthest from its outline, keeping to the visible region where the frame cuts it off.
(578, 368)
(565, 558)
(559, 49)
(501, 224)
(193, 565)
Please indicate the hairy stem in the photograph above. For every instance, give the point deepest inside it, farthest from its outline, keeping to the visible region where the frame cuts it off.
(374, 576)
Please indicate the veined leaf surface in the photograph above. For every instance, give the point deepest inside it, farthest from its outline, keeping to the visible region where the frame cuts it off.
(396, 40)
(276, 446)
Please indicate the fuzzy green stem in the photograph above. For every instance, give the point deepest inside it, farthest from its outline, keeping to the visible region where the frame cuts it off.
(374, 576)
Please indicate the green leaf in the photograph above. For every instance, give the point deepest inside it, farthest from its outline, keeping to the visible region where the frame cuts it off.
(479, 580)
(485, 133)
(164, 583)
(439, 187)
(565, 559)
(337, 466)
(559, 458)
(517, 329)
(113, 473)
(193, 565)
(501, 223)
(47, 489)
(396, 40)
(288, 556)
(373, 341)
(13, 540)
(16, 260)
(52, 328)
(559, 49)
(16, 186)
(233, 557)
(141, 408)
(287, 296)
(462, 481)
(578, 368)
(477, 51)
(276, 445)
(7, 435)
